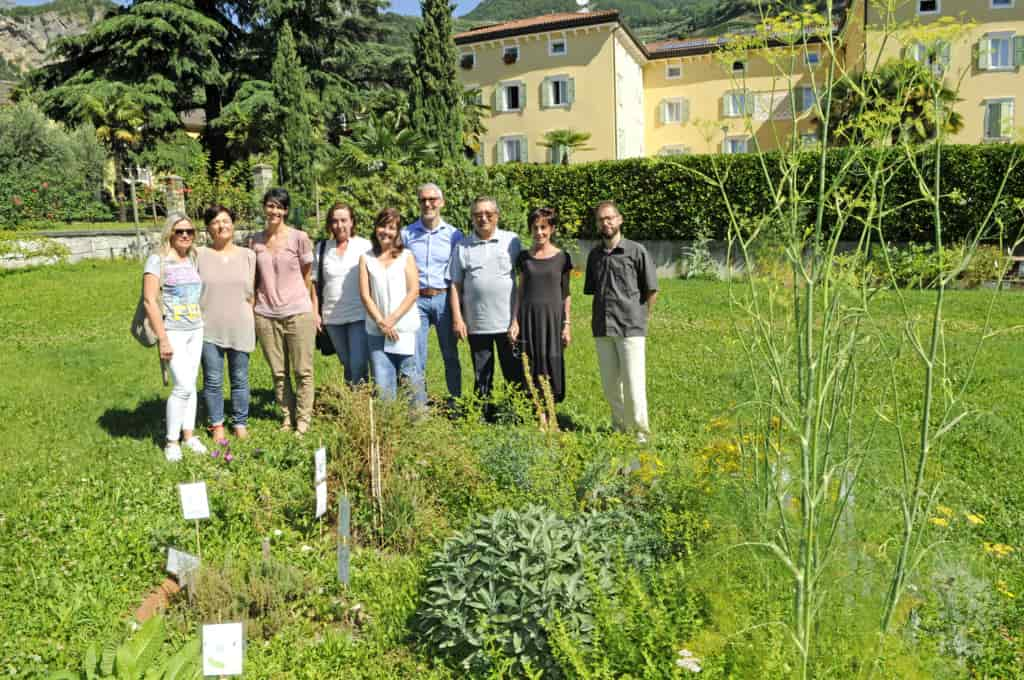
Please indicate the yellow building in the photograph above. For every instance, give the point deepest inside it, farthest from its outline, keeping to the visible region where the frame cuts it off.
(587, 72)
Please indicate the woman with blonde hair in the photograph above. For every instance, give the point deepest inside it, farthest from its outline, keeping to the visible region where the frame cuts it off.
(171, 289)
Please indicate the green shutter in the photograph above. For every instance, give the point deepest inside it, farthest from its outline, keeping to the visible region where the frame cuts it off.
(984, 54)
(522, 97)
(684, 111)
(545, 93)
(1006, 120)
(1018, 50)
(944, 52)
(993, 128)
(523, 149)
(570, 90)
(748, 103)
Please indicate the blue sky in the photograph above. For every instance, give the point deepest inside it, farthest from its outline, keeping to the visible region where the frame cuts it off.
(400, 6)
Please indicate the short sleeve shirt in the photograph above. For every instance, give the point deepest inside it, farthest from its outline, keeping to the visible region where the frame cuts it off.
(432, 250)
(486, 271)
(620, 282)
(340, 287)
(227, 297)
(281, 289)
(180, 290)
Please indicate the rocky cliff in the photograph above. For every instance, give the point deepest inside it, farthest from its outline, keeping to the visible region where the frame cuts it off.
(27, 33)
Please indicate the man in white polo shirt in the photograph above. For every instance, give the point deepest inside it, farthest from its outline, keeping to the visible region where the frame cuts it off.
(483, 287)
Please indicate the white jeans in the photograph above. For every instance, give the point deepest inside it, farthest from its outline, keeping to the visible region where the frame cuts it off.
(184, 367)
(623, 377)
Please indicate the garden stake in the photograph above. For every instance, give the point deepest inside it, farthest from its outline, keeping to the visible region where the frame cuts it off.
(376, 488)
(199, 550)
(344, 548)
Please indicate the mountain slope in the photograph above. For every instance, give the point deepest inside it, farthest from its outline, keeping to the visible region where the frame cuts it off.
(27, 32)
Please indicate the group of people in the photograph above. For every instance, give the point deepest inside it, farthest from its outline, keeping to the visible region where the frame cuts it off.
(374, 301)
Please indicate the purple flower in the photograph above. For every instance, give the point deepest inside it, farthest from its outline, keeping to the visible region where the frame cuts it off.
(228, 457)
(215, 453)
(223, 442)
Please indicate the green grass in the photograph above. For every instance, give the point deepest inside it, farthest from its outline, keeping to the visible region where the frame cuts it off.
(88, 505)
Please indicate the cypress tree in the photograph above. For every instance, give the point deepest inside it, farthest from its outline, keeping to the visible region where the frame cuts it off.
(435, 93)
(296, 144)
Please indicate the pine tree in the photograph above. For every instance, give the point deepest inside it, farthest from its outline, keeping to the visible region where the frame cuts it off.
(296, 145)
(435, 93)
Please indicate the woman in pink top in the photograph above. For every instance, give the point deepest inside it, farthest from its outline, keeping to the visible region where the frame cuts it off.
(286, 320)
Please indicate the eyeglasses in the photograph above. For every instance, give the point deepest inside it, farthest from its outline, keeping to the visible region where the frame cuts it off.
(484, 215)
(185, 232)
(430, 199)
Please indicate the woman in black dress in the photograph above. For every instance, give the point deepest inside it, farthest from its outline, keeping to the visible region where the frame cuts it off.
(540, 316)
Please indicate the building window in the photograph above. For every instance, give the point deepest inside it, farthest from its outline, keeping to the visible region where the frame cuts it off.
(674, 150)
(809, 140)
(510, 96)
(735, 144)
(674, 111)
(734, 103)
(467, 60)
(813, 59)
(1001, 4)
(673, 72)
(805, 99)
(739, 66)
(557, 47)
(510, 55)
(1000, 52)
(512, 149)
(928, 7)
(558, 92)
(998, 119)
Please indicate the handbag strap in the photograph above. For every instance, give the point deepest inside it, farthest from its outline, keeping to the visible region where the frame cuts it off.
(320, 276)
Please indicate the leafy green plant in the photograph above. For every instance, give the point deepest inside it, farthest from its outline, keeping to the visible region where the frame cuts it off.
(136, 658)
(491, 591)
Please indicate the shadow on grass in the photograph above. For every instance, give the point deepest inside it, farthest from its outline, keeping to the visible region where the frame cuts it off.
(146, 420)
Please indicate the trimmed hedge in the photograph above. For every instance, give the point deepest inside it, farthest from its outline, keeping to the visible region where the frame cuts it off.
(666, 199)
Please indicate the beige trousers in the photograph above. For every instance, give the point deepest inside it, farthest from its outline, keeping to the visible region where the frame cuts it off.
(623, 377)
(288, 348)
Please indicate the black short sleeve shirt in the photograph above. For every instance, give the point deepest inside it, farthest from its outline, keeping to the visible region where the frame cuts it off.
(620, 282)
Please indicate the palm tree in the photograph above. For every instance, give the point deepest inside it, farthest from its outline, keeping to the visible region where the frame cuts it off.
(379, 141)
(563, 143)
(902, 91)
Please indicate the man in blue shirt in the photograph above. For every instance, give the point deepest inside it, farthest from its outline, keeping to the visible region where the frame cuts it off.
(431, 241)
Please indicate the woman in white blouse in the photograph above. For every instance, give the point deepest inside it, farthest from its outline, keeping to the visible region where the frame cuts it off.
(389, 287)
(336, 271)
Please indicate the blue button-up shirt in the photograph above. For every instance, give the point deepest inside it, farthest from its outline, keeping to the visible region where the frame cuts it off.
(432, 250)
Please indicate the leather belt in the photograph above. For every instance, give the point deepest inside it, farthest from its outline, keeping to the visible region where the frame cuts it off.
(431, 292)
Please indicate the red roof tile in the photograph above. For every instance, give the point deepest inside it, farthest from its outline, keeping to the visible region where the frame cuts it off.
(537, 24)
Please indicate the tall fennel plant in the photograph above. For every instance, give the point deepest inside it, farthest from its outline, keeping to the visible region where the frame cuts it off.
(808, 340)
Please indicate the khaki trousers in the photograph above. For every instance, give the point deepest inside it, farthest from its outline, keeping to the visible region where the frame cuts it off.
(288, 348)
(623, 377)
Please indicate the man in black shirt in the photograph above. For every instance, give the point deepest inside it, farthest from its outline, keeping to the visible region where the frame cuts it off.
(623, 280)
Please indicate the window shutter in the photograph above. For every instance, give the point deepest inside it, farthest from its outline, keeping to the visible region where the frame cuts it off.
(523, 149)
(729, 104)
(499, 98)
(684, 110)
(1006, 119)
(546, 86)
(500, 155)
(570, 90)
(942, 49)
(984, 54)
(522, 97)
(1018, 50)
(806, 98)
(748, 103)
(663, 112)
(992, 126)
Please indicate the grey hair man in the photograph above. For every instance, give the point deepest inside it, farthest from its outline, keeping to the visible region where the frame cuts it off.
(622, 277)
(483, 288)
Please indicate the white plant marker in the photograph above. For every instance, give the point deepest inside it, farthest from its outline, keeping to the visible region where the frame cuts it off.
(195, 505)
(321, 500)
(223, 649)
(319, 465)
(181, 564)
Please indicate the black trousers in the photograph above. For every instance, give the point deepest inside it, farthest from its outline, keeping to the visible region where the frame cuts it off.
(483, 347)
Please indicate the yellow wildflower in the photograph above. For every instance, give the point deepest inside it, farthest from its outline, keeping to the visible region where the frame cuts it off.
(1004, 590)
(945, 510)
(975, 518)
(998, 549)
(939, 521)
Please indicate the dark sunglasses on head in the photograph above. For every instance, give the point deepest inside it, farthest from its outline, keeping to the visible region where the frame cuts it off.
(184, 232)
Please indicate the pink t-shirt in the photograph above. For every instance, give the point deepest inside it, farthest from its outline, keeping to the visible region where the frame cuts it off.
(281, 291)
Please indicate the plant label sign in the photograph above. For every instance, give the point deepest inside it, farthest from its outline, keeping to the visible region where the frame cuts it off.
(194, 503)
(223, 649)
(321, 499)
(320, 465)
(181, 564)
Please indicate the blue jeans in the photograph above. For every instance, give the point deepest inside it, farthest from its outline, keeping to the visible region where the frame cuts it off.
(387, 367)
(349, 340)
(213, 383)
(435, 311)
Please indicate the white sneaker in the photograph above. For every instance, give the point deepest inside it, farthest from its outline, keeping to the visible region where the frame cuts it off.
(172, 452)
(194, 445)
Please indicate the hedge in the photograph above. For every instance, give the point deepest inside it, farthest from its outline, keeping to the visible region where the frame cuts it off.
(666, 199)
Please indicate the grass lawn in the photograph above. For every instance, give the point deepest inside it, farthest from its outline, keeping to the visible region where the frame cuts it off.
(88, 505)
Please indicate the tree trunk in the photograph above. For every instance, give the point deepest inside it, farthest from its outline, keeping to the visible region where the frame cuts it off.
(214, 139)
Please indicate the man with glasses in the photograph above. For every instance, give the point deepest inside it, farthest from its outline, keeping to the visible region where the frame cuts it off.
(431, 241)
(483, 287)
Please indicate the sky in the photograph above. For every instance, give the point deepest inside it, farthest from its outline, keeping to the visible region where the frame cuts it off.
(399, 6)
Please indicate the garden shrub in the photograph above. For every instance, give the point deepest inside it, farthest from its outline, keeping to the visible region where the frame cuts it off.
(46, 171)
(665, 198)
(491, 590)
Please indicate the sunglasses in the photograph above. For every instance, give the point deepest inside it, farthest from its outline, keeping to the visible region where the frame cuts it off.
(184, 232)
